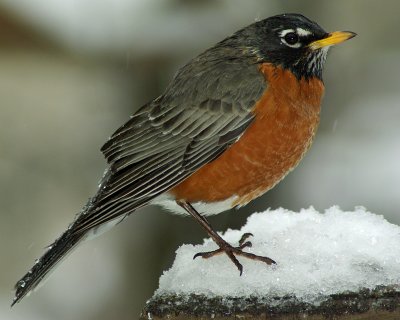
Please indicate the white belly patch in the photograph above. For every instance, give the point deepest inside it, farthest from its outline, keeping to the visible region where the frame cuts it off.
(207, 209)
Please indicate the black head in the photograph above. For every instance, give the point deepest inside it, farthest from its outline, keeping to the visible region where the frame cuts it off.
(291, 41)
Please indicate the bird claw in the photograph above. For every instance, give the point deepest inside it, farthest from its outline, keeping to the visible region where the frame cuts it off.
(244, 237)
(208, 254)
(232, 252)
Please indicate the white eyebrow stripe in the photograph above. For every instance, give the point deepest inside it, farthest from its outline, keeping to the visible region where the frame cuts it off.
(285, 32)
(303, 32)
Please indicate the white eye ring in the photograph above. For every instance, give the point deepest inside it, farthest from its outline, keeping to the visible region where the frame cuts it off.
(282, 35)
(285, 32)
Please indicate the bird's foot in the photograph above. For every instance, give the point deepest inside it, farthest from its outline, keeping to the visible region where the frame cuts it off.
(232, 252)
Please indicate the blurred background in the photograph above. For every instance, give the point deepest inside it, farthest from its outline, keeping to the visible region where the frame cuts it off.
(72, 71)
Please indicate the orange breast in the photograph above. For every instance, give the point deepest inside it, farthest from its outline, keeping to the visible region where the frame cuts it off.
(286, 118)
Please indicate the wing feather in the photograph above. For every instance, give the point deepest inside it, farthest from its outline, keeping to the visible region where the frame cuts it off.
(190, 125)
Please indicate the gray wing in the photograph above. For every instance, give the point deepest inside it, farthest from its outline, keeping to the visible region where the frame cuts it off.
(204, 111)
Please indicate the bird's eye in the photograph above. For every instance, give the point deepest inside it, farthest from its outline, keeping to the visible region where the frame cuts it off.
(291, 38)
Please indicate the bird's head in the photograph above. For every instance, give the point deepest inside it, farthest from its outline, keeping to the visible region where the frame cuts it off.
(293, 42)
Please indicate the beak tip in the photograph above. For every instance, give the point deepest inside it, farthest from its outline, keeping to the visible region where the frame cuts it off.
(351, 34)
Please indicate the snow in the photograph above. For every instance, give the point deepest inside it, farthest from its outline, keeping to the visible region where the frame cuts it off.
(317, 254)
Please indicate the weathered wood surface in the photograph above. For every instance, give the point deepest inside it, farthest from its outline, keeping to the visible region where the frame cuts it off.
(382, 303)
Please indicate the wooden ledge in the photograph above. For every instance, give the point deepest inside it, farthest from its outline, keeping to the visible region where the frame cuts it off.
(382, 303)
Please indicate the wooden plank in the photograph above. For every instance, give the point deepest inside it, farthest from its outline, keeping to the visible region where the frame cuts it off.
(380, 303)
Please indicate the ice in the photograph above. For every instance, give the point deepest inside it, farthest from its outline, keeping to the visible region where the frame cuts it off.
(317, 254)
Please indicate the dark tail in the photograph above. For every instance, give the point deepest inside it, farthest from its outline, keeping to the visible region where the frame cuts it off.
(57, 251)
(46, 263)
(70, 239)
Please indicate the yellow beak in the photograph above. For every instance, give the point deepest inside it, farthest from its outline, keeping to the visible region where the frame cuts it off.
(332, 39)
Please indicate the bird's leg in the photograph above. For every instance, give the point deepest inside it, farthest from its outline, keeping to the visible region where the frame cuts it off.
(231, 251)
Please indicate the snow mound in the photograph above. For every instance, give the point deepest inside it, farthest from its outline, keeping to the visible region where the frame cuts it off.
(317, 255)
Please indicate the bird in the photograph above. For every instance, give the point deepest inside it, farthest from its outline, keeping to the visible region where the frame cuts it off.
(232, 123)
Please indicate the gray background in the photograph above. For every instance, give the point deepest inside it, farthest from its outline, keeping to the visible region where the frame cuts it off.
(71, 72)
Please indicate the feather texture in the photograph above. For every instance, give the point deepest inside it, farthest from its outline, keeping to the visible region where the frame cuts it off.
(192, 123)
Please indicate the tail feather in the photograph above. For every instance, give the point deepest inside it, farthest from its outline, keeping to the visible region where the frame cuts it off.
(46, 263)
(73, 236)
(58, 250)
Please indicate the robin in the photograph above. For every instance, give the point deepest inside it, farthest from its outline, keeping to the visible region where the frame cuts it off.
(232, 123)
